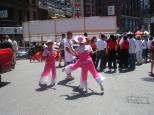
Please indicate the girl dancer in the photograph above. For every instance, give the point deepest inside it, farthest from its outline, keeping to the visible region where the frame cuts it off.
(85, 63)
(48, 54)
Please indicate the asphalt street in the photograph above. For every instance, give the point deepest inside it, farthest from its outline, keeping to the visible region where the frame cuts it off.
(126, 93)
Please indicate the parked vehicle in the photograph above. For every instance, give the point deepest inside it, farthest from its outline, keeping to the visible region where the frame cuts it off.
(23, 53)
(6, 58)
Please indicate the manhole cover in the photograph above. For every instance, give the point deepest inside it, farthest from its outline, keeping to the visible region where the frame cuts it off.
(137, 100)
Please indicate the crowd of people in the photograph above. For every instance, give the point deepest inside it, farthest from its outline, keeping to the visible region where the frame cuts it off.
(116, 52)
(120, 51)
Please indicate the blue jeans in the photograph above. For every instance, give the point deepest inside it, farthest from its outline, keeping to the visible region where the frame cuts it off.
(131, 60)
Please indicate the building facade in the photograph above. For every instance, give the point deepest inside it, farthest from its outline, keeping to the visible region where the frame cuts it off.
(57, 8)
(128, 12)
(14, 12)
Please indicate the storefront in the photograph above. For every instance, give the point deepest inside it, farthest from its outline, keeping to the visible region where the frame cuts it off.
(13, 31)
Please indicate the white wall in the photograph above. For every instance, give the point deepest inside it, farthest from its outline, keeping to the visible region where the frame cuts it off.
(50, 28)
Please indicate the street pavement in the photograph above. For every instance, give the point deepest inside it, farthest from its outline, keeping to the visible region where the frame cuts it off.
(126, 93)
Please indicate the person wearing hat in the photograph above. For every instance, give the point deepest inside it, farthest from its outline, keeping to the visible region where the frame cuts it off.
(48, 55)
(85, 63)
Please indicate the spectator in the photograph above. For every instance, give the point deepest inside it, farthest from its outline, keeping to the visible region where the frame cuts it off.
(69, 52)
(145, 48)
(112, 49)
(15, 48)
(61, 47)
(139, 49)
(94, 48)
(123, 58)
(131, 51)
(152, 57)
(101, 49)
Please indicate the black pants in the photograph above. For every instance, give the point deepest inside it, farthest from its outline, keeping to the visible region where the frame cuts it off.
(112, 59)
(101, 58)
(123, 58)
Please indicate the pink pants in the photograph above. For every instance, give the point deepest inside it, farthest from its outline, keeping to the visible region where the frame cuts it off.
(85, 67)
(49, 67)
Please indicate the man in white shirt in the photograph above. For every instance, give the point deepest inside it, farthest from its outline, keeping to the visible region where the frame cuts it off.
(145, 48)
(69, 52)
(139, 49)
(131, 51)
(15, 48)
(101, 48)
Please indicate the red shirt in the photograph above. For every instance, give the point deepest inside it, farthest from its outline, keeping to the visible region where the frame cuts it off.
(125, 44)
(93, 45)
(111, 44)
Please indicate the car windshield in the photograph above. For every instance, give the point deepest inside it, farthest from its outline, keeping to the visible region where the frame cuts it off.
(22, 49)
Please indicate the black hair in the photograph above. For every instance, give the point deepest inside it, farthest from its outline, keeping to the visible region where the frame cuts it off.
(69, 32)
(125, 37)
(103, 36)
(85, 34)
(130, 35)
(112, 37)
(151, 38)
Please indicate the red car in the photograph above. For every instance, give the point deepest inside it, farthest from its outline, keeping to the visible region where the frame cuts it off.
(6, 60)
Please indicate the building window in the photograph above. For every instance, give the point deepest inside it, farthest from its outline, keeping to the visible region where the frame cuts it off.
(34, 15)
(28, 16)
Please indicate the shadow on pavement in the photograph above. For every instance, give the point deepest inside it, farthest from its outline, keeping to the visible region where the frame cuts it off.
(149, 79)
(124, 70)
(81, 95)
(110, 72)
(63, 82)
(2, 84)
(45, 88)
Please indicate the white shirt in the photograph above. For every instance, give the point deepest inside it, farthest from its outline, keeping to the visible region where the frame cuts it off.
(101, 44)
(132, 45)
(68, 56)
(139, 46)
(15, 46)
(9, 40)
(145, 44)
